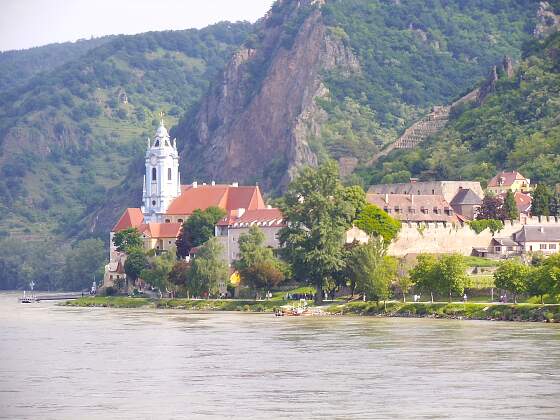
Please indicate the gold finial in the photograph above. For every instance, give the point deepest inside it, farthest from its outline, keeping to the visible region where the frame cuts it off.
(161, 114)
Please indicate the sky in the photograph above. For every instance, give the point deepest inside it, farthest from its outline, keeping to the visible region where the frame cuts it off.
(31, 23)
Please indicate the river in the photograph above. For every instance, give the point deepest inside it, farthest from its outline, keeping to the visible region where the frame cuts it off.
(70, 363)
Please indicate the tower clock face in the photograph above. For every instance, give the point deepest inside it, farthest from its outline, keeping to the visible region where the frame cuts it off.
(153, 159)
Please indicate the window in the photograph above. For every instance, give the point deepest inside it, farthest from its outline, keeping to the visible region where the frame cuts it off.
(180, 221)
(510, 248)
(543, 246)
(551, 246)
(498, 248)
(167, 221)
(154, 174)
(169, 174)
(153, 202)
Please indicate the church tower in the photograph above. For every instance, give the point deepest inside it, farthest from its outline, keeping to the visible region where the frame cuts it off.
(162, 182)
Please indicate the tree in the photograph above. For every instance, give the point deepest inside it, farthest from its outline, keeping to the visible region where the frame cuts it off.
(491, 208)
(542, 198)
(373, 271)
(83, 263)
(555, 205)
(510, 209)
(197, 229)
(512, 275)
(135, 263)
(127, 239)
(319, 210)
(545, 278)
(424, 274)
(179, 275)
(376, 222)
(257, 265)
(403, 280)
(158, 270)
(451, 274)
(209, 269)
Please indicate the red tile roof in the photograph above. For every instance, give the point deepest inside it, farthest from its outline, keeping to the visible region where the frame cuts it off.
(161, 230)
(262, 217)
(414, 208)
(226, 197)
(131, 218)
(522, 200)
(507, 179)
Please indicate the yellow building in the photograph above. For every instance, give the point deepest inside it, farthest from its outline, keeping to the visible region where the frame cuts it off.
(509, 181)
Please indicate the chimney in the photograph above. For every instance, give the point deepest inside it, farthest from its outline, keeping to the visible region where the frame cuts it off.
(195, 184)
(235, 184)
(386, 198)
(213, 183)
(541, 229)
(412, 199)
(240, 212)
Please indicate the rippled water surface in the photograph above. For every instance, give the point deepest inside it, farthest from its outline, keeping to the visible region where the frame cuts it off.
(75, 363)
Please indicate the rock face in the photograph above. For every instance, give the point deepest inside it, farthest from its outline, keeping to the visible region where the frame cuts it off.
(254, 125)
(548, 21)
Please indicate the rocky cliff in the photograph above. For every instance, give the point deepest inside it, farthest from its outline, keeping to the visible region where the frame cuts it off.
(255, 124)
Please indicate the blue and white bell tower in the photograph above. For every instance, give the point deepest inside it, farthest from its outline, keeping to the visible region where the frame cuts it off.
(162, 181)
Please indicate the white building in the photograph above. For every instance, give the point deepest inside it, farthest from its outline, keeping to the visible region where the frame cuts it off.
(162, 182)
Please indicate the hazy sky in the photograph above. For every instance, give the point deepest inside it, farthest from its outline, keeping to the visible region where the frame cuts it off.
(30, 23)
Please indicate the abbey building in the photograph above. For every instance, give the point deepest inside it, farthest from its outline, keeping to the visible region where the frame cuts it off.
(166, 204)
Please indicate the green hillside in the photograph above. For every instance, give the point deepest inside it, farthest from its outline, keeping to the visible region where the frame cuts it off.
(70, 136)
(518, 127)
(17, 67)
(413, 54)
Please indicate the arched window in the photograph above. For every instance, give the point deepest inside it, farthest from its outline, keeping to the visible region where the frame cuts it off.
(169, 174)
(154, 174)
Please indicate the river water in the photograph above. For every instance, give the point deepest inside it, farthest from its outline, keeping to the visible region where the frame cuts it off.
(76, 363)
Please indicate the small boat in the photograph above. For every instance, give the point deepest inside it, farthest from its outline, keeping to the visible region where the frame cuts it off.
(28, 298)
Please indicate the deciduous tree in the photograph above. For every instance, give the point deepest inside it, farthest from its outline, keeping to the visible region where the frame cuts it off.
(542, 198)
(208, 269)
(257, 265)
(424, 274)
(128, 239)
(197, 229)
(373, 270)
(512, 275)
(136, 262)
(319, 210)
(376, 222)
(510, 207)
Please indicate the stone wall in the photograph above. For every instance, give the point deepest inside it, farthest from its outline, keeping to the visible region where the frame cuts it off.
(454, 238)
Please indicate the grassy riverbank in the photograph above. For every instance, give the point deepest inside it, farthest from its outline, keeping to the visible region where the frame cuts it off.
(195, 305)
(480, 311)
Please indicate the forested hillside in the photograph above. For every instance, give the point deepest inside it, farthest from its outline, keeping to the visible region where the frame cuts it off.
(372, 67)
(19, 66)
(517, 127)
(70, 136)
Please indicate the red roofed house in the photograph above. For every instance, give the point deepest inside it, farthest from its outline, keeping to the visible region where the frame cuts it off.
(505, 181)
(411, 208)
(523, 202)
(228, 230)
